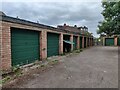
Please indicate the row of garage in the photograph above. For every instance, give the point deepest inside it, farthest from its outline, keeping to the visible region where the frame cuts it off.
(25, 45)
(112, 41)
(24, 42)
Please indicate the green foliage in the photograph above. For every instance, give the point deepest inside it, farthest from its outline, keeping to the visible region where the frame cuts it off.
(81, 50)
(0, 82)
(15, 68)
(42, 65)
(62, 54)
(106, 27)
(78, 51)
(5, 79)
(111, 14)
(55, 61)
(87, 33)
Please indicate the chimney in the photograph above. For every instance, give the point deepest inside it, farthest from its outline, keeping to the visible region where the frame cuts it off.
(17, 17)
(64, 24)
(75, 25)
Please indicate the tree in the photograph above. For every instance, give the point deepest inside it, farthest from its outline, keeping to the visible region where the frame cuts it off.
(111, 23)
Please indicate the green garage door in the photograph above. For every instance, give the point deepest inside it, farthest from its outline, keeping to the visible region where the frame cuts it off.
(24, 46)
(52, 44)
(75, 43)
(80, 42)
(109, 42)
(119, 41)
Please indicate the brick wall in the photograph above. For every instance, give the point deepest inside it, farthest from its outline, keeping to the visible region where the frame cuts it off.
(115, 41)
(71, 39)
(78, 42)
(90, 41)
(43, 44)
(61, 43)
(69, 28)
(83, 42)
(6, 47)
(5, 41)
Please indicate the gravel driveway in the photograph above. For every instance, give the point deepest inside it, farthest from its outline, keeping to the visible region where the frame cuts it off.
(95, 67)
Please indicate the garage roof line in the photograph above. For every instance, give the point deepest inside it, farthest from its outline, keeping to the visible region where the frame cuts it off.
(25, 22)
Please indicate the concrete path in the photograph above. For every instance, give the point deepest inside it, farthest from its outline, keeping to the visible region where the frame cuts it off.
(95, 67)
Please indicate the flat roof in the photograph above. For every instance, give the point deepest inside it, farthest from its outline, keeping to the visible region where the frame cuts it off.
(30, 23)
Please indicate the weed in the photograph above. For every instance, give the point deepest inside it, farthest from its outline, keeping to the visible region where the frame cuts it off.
(62, 54)
(5, 79)
(15, 68)
(42, 65)
(54, 62)
(81, 50)
(77, 51)
(18, 73)
(36, 62)
(1, 82)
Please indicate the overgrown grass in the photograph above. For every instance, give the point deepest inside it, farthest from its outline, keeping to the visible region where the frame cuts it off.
(15, 72)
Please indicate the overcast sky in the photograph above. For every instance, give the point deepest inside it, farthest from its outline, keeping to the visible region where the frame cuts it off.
(57, 13)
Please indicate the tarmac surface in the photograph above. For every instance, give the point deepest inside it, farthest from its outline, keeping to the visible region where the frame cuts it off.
(95, 67)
